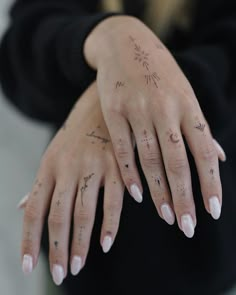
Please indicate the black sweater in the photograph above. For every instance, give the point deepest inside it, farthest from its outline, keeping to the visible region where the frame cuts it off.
(43, 71)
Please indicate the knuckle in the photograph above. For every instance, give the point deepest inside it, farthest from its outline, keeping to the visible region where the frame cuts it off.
(82, 217)
(56, 219)
(121, 152)
(112, 206)
(32, 213)
(151, 160)
(177, 165)
(208, 154)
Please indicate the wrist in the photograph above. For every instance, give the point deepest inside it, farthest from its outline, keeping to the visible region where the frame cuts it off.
(99, 43)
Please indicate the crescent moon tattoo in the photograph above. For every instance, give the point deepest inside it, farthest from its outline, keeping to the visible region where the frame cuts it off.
(173, 138)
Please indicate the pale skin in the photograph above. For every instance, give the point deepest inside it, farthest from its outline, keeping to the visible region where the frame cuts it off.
(143, 90)
(72, 170)
(138, 85)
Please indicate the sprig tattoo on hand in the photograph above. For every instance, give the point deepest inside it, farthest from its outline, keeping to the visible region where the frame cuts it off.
(142, 57)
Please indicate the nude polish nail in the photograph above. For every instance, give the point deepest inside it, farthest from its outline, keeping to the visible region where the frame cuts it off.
(220, 149)
(136, 194)
(76, 265)
(215, 207)
(106, 244)
(168, 214)
(57, 274)
(187, 225)
(27, 264)
(23, 202)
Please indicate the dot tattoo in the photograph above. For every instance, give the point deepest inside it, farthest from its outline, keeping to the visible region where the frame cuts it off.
(126, 165)
(146, 139)
(56, 244)
(85, 186)
(200, 127)
(81, 229)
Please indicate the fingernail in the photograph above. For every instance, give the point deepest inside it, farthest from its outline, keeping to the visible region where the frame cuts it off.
(215, 207)
(136, 194)
(221, 151)
(27, 264)
(23, 202)
(76, 265)
(167, 214)
(57, 274)
(106, 244)
(187, 225)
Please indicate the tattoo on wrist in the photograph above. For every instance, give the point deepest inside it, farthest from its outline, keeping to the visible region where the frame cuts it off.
(85, 186)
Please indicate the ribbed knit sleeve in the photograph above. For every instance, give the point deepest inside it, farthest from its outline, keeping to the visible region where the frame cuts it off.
(42, 67)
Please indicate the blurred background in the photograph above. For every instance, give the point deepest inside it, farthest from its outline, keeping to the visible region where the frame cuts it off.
(22, 143)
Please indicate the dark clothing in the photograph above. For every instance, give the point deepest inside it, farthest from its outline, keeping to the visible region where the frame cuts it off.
(43, 71)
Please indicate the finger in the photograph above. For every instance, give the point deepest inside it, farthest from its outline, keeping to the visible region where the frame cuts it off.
(201, 144)
(220, 152)
(178, 174)
(120, 133)
(84, 215)
(113, 200)
(153, 168)
(23, 201)
(59, 221)
(34, 216)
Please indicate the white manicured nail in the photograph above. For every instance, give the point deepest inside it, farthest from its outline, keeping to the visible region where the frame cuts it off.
(57, 274)
(187, 225)
(219, 148)
(76, 265)
(27, 264)
(215, 207)
(136, 194)
(23, 202)
(106, 244)
(167, 214)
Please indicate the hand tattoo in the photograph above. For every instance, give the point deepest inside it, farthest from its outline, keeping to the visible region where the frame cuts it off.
(142, 57)
(85, 186)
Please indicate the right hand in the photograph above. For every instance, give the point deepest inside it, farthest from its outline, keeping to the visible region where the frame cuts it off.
(143, 91)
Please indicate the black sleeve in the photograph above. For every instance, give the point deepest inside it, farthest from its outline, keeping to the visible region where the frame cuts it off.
(209, 62)
(42, 68)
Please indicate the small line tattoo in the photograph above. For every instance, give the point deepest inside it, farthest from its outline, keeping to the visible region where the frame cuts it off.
(94, 135)
(200, 127)
(58, 203)
(85, 186)
(152, 79)
(212, 171)
(119, 84)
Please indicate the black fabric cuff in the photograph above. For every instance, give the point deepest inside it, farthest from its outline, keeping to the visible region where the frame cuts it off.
(70, 49)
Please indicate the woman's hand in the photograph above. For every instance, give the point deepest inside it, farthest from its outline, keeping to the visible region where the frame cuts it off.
(76, 164)
(143, 90)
